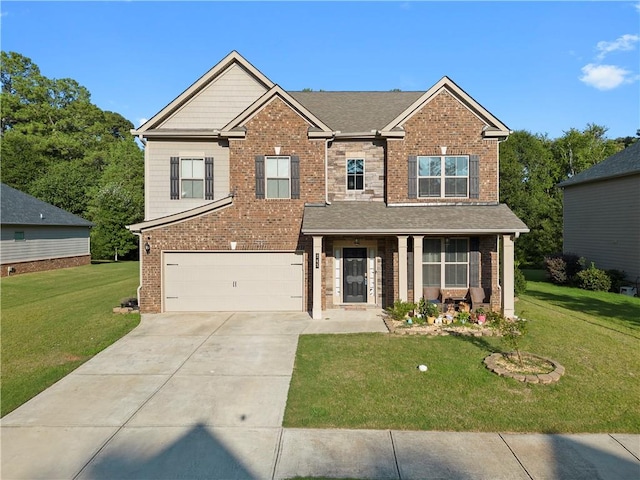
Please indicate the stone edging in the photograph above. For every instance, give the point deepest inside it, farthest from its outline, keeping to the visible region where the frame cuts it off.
(440, 330)
(544, 378)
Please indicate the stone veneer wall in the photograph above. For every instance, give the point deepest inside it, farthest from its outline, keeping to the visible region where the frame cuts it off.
(373, 153)
(255, 224)
(444, 121)
(44, 265)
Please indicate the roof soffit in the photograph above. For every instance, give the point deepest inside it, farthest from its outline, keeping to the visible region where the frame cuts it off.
(445, 83)
(234, 58)
(275, 92)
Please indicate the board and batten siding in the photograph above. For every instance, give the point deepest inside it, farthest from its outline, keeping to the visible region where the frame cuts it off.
(43, 243)
(219, 102)
(602, 223)
(158, 153)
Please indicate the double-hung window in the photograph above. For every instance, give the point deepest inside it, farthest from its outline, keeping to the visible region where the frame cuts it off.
(278, 177)
(192, 177)
(443, 176)
(445, 262)
(355, 174)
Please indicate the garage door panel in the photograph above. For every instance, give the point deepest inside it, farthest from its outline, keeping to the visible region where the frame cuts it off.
(233, 281)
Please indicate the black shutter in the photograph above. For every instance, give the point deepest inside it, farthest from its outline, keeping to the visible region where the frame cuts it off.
(208, 178)
(174, 166)
(295, 177)
(412, 188)
(474, 176)
(259, 176)
(474, 262)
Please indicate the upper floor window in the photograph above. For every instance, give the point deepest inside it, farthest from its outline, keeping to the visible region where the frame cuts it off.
(355, 174)
(278, 177)
(445, 262)
(436, 172)
(192, 177)
(18, 236)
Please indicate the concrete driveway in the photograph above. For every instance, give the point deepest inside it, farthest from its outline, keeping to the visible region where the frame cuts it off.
(203, 396)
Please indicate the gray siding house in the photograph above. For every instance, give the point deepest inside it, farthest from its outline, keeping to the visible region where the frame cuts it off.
(37, 236)
(601, 215)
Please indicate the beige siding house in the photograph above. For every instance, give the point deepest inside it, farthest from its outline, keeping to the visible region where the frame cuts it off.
(37, 236)
(602, 213)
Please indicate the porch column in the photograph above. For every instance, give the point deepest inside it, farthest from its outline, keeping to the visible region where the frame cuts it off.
(402, 268)
(508, 304)
(316, 309)
(417, 267)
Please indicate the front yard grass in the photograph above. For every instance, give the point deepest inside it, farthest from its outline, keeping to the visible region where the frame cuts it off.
(371, 380)
(54, 321)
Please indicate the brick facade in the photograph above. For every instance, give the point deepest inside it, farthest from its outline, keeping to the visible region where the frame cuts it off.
(255, 224)
(444, 121)
(44, 265)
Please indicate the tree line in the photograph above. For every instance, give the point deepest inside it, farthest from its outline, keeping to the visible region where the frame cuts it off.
(61, 148)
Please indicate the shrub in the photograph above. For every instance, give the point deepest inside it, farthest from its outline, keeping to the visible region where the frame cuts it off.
(562, 267)
(512, 332)
(617, 279)
(520, 283)
(593, 279)
(400, 309)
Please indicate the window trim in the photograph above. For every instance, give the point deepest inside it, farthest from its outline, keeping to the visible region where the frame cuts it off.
(355, 175)
(443, 261)
(443, 176)
(267, 177)
(182, 178)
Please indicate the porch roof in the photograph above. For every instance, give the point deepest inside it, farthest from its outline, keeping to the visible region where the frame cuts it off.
(378, 218)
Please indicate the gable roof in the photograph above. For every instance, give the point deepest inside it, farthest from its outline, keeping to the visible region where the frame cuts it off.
(625, 162)
(275, 91)
(199, 85)
(494, 127)
(18, 208)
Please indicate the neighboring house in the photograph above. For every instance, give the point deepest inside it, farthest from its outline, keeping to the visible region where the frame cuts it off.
(600, 213)
(261, 199)
(37, 236)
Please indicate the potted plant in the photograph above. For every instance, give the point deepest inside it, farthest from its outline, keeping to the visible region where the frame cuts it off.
(463, 317)
(481, 315)
(428, 310)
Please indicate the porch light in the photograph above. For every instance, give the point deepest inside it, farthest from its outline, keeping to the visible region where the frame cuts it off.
(147, 247)
(356, 241)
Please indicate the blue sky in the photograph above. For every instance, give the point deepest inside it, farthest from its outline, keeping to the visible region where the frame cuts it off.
(544, 67)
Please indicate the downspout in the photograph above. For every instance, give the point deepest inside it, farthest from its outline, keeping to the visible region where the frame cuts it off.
(140, 249)
(326, 170)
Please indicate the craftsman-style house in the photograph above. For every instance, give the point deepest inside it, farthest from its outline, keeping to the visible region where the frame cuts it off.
(260, 199)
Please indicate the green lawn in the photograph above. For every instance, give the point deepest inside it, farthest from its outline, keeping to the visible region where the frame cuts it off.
(371, 380)
(54, 321)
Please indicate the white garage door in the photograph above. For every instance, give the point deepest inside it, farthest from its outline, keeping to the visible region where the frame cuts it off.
(233, 281)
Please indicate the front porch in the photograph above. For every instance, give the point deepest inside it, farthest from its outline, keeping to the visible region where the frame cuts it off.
(367, 255)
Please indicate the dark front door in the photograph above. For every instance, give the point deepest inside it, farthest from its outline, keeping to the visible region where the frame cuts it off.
(353, 274)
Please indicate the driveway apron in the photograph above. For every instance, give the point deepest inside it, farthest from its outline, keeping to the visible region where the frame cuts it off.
(182, 396)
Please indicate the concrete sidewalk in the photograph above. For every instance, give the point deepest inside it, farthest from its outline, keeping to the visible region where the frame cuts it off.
(203, 396)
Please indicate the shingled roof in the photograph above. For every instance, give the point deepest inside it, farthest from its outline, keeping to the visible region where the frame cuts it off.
(625, 162)
(356, 111)
(373, 218)
(18, 208)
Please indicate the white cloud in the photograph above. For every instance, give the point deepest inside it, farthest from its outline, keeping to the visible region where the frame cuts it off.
(142, 121)
(624, 43)
(605, 77)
